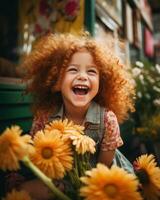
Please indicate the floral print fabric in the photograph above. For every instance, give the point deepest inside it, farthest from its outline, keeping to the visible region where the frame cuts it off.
(111, 139)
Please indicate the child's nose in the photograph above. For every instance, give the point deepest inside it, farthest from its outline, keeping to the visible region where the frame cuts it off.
(82, 76)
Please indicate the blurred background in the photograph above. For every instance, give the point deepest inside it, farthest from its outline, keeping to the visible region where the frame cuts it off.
(134, 26)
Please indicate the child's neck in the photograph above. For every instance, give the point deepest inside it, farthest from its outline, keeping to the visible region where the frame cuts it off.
(77, 116)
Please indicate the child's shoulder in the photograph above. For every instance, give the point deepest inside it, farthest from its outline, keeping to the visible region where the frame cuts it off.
(39, 121)
(109, 116)
(109, 113)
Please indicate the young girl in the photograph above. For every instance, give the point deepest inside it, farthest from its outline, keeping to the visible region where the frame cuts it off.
(77, 78)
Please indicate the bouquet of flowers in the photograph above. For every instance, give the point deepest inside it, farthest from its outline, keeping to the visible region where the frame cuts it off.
(62, 152)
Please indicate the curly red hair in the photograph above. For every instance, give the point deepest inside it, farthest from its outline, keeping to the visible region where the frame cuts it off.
(46, 64)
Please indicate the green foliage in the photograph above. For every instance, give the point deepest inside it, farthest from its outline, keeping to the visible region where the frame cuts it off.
(147, 115)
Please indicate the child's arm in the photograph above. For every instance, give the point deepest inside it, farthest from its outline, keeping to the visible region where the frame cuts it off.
(111, 139)
(37, 190)
(106, 157)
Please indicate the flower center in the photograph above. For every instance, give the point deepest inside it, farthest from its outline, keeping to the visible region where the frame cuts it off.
(111, 190)
(47, 152)
(143, 176)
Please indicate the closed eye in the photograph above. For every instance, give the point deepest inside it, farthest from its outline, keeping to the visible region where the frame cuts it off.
(92, 71)
(71, 69)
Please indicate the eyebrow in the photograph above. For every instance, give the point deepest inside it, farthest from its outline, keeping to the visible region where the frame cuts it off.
(72, 64)
(76, 65)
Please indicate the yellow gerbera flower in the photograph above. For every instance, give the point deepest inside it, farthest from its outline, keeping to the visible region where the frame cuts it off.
(52, 154)
(65, 127)
(13, 147)
(79, 128)
(149, 175)
(60, 125)
(83, 143)
(107, 184)
(15, 195)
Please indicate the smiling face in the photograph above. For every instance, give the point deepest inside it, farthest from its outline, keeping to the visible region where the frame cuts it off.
(80, 83)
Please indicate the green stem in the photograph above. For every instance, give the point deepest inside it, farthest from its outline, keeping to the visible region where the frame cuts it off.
(47, 181)
(76, 163)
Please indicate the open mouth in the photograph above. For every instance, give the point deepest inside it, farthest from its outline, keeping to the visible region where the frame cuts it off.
(80, 89)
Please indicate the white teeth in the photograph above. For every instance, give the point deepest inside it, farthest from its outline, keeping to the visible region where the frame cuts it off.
(81, 87)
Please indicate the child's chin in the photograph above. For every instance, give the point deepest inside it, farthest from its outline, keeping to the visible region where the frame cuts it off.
(81, 104)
